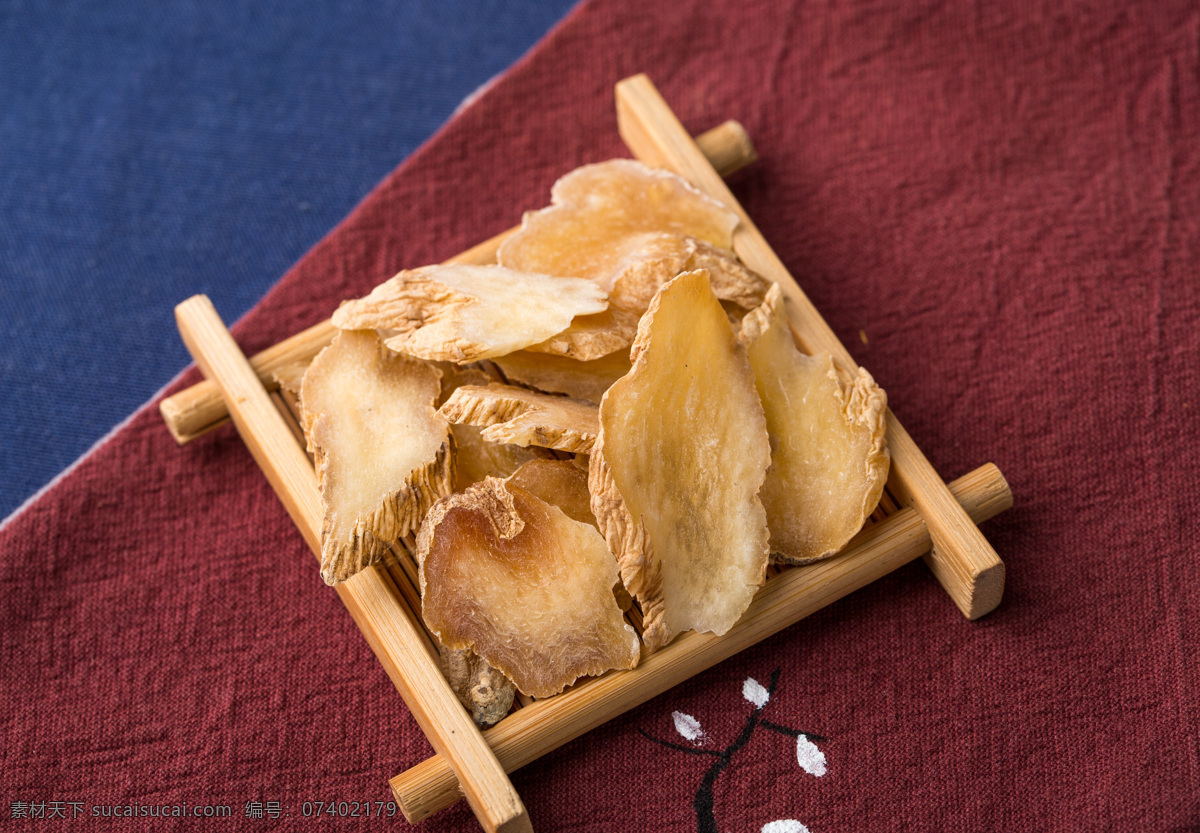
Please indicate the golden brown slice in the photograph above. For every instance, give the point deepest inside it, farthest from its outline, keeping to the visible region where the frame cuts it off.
(652, 259)
(645, 262)
(476, 458)
(559, 483)
(484, 691)
(596, 205)
(558, 374)
(524, 586)
(382, 453)
(829, 461)
(676, 470)
(564, 483)
(462, 313)
(509, 414)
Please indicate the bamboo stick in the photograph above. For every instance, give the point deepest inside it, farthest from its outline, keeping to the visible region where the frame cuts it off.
(962, 560)
(795, 593)
(370, 596)
(195, 411)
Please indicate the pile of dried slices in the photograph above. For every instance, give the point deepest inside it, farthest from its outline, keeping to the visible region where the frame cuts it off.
(656, 437)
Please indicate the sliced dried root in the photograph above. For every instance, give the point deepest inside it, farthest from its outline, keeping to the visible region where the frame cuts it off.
(647, 262)
(382, 453)
(829, 461)
(559, 483)
(485, 692)
(474, 457)
(596, 206)
(557, 374)
(463, 313)
(524, 586)
(509, 414)
(652, 259)
(681, 455)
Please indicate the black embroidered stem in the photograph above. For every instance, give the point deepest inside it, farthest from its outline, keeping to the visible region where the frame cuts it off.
(793, 733)
(691, 750)
(706, 819)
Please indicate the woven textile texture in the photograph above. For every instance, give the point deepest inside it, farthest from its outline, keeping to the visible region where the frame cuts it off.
(995, 206)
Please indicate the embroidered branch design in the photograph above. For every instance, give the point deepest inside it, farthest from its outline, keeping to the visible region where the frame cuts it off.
(810, 758)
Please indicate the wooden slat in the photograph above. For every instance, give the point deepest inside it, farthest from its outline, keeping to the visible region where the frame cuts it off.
(195, 411)
(795, 593)
(370, 596)
(962, 560)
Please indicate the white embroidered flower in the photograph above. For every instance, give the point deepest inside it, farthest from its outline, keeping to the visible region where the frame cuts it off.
(784, 826)
(688, 727)
(755, 693)
(812, 759)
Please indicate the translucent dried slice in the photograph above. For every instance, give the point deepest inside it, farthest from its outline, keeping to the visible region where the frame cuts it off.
(461, 313)
(829, 461)
(509, 414)
(382, 453)
(558, 374)
(676, 470)
(647, 261)
(593, 206)
(559, 483)
(485, 692)
(476, 458)
(564, 483)
(524, 586)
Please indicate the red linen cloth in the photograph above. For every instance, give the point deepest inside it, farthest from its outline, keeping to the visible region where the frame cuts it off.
(995, 206)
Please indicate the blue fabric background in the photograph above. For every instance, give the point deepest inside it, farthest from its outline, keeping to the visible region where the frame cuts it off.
(150, 151)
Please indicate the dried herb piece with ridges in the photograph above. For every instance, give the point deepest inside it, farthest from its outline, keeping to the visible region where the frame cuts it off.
(524, 586)
(382, 453)
(509, 414)
(485, 692)
(462, 313)
(829, 461)
(474, 457)
(676, 470)
(648, 261)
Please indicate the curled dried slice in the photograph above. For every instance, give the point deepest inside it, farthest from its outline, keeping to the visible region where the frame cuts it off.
(596, 205)
(485, 692)
(829, 461)
(462, 313)
(652, 259)
(558, 374)
(646, 262)
(382, 453)
(474, 457)
(509, 414)
(676, 470)
(524, 586)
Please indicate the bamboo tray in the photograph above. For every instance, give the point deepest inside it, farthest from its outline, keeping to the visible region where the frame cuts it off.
(918, 515)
